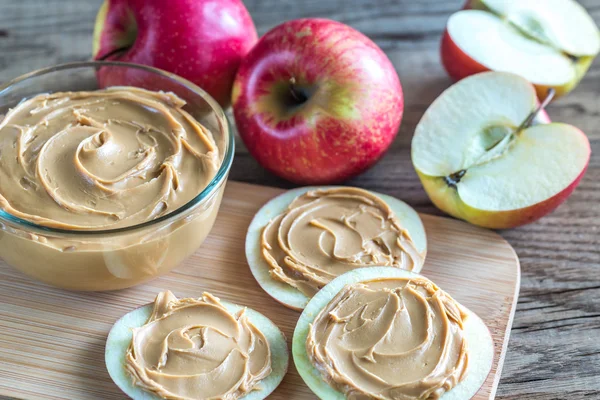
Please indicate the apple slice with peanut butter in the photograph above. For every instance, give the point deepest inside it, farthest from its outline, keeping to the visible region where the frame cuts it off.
(192, 348)
(387, 333)
(303, 239)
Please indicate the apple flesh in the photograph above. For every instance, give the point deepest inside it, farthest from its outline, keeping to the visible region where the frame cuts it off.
(550, 43)
(316, 101)
(203, 41)
(478, 163)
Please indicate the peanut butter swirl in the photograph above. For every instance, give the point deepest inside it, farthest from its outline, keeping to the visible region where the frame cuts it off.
(325, 233)
(197, 349)
(102, 159)
(396, 338)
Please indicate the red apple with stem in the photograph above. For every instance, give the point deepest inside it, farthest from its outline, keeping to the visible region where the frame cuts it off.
(316, 101)
(203, 41)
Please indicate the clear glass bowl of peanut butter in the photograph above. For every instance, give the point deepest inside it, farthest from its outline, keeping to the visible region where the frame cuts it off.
(111, 174)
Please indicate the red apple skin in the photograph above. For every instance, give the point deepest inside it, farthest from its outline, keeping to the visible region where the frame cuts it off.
(354, 107)
(456, 62)
(475, 5)
(203, 41)
(542, 118)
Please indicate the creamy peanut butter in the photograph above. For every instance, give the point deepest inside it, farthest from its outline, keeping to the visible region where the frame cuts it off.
(325, 233)
(197, 349)
(102, 159)
(106, 159)
(391, 338)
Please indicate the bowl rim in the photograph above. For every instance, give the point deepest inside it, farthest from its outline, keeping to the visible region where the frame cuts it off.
(211, 188)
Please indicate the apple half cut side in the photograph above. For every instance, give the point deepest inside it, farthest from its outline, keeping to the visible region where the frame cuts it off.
(550, 43)
(286, 294)
(119, 339)
(478, 163)
(477, 334)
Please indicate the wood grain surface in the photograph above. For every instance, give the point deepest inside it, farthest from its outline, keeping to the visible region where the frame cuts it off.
(52, 341)
(554, 350)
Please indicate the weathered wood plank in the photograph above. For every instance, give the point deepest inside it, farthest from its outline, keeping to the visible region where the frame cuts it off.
(554, 352)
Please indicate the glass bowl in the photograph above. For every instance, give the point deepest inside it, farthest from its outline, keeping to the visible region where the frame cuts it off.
(116, 258)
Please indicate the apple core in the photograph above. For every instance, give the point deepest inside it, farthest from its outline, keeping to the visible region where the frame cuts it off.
(496, 139)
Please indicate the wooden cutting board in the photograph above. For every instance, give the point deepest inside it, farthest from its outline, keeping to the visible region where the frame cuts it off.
(52, 341)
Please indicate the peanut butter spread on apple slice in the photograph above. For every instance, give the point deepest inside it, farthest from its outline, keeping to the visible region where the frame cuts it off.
(197, 349)
(102, 159)
(392, 338)
(325, 233)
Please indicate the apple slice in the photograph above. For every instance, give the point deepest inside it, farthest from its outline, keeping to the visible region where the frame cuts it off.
(479, 160)
(120, 336)
(550, 43)
(477, 335)
(288, 295)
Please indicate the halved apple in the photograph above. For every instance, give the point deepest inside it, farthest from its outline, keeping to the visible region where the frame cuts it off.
(551, 43)
(480, 160)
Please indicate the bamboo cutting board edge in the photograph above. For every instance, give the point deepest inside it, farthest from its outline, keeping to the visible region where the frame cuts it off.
(63, 356)
(509, 324)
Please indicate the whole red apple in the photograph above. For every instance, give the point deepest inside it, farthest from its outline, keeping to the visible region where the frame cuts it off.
(203, 41)
(316, 101)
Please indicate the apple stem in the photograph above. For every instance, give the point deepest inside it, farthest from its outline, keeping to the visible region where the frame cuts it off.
(531, 117)
(298, 95)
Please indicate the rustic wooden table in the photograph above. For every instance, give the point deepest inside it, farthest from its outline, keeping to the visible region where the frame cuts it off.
(554, 350)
